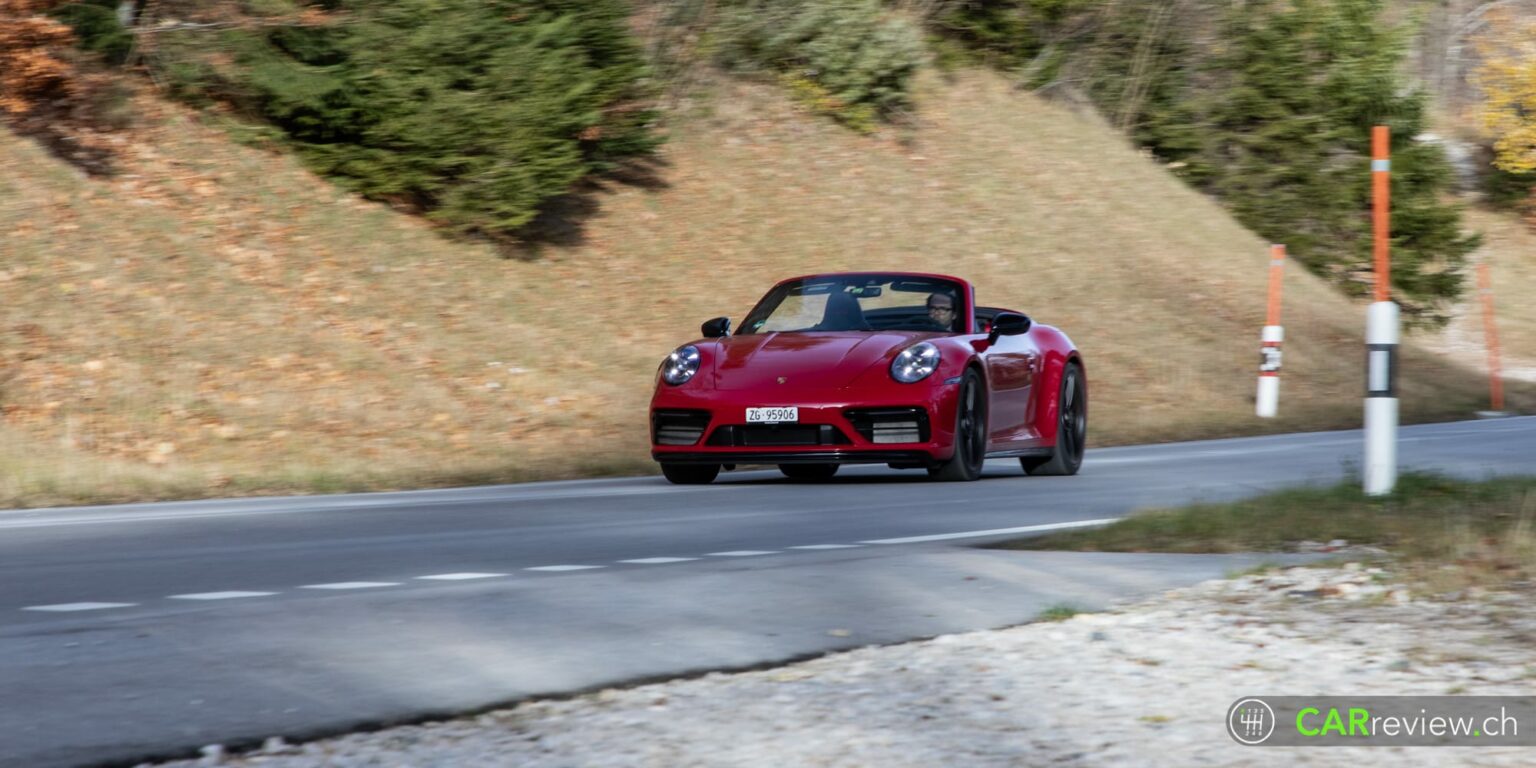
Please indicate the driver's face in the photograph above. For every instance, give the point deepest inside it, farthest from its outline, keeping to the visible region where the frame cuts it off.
(942, 310)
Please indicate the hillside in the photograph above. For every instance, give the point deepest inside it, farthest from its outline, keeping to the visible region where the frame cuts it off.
(1509, 250)
(215, 320)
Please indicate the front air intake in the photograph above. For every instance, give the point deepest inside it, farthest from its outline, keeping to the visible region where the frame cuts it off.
(884, 426)
(678, 427)
(763, 435)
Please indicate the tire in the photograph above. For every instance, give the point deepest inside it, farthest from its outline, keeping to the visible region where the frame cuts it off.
(691, 474)
(1071, 428)
(809, 472)
(970, 432)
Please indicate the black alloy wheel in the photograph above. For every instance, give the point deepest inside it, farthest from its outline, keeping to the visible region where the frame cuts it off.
(691, 474)
(970, 432)
(1071, 428)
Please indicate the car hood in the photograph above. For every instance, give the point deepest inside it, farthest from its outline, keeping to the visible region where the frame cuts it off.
(796, 361)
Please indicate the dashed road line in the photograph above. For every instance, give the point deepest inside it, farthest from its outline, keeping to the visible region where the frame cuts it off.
(353, 585)
(68, 607)
(473, 575)
(232, 595)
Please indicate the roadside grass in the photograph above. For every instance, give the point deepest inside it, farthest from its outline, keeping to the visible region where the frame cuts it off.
(1058, 612)
(1441, 531)
(216, 321)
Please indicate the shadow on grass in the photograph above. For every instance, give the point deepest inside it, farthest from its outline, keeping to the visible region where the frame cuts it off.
(562, 221)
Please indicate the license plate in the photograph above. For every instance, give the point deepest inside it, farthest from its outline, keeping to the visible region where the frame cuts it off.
(772, 415)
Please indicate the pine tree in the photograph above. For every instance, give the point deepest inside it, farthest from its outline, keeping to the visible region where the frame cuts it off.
(476, 113)
(1286, 114)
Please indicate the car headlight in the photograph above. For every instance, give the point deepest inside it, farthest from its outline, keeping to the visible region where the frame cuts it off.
(915, 363)
(680, 366)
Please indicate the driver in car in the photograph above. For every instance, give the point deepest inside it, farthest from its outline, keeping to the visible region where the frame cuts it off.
(941, 310)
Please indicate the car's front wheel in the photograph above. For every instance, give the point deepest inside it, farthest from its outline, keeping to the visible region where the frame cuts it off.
(1071, 428)
(691, 474)
(970, 432)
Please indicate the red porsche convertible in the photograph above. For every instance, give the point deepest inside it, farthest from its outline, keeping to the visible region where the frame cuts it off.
(863, 367)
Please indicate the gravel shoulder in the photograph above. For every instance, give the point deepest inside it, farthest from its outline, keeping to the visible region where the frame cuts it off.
(1147, 684)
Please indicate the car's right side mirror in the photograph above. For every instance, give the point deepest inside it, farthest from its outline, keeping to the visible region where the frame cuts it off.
(717, 328)
(1008, 324)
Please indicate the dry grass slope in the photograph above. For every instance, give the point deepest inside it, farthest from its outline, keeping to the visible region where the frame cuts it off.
(217, 321)
(1509, 250)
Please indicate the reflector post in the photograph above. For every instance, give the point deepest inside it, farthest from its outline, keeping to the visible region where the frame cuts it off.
(1381, 334)
(1267, 400)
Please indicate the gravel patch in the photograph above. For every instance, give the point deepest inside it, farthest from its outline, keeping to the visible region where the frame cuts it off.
(1144, 685)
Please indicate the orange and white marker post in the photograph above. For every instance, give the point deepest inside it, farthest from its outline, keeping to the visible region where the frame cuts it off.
(1381, 336)
(1491, 336)
(1267, 404)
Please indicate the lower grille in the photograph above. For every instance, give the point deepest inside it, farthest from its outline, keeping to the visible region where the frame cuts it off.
(745, 435)
(890, 425)
(678, 427)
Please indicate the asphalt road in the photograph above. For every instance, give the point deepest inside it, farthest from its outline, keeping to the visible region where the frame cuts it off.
(148, 630)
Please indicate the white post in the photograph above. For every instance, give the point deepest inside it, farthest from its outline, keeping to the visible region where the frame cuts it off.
(1268, 400)
(1267, 403)
(1381, 335)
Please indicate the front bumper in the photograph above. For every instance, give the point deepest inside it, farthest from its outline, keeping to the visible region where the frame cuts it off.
(916, 458)
(833, 427)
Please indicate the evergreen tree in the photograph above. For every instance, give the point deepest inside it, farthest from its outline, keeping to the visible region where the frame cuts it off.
(475, 112)
(1284, 117)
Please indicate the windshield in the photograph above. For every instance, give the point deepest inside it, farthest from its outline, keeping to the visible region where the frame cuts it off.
(859, 303)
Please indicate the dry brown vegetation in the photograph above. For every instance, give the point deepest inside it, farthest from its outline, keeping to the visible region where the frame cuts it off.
(46, 92)
(214, 320)
(32, 70)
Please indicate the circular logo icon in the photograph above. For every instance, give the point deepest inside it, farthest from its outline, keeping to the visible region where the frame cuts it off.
(1251, 721)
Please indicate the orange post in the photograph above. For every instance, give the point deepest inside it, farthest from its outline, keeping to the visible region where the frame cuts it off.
(1267, 400)
(1381, 192)
(1276, 263)
(1491, 335)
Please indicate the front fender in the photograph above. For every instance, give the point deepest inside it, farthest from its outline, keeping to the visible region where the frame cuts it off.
(1056, 352)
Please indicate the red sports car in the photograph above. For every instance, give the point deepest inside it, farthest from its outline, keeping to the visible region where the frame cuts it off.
(871, 367)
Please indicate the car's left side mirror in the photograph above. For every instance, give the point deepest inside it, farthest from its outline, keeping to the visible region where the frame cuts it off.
(717, 328)
(1008, 324)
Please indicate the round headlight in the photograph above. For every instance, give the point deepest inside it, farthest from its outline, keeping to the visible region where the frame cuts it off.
(680, 366)
(915, 363)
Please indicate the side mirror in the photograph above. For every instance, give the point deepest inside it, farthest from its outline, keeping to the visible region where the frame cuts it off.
(1008, 324)
(717, 328)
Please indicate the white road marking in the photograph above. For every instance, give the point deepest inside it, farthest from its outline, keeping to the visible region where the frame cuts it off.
(1185, 455)
(66, 607)
(32, 518)
(740, 553)
(221, 595)
(459, 576)
(995, 532)
(827, 546)
(558, 568)
(352, 585)
(659, 560)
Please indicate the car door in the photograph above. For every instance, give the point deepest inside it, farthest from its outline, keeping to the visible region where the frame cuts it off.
(1011, 362)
